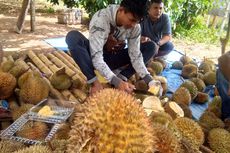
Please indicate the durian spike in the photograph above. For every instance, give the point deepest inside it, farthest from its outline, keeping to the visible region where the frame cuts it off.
(71, 66)
(10, 58)
(39, 63)
(69, 72)
(48, 63)
(69, 58)
(204, 149)
(53, 91)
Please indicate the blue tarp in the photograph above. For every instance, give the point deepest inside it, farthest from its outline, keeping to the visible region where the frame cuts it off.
(172, 75)
(58, 43)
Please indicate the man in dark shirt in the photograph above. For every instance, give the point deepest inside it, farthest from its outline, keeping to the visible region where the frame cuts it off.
(156, 27)
(223, 78)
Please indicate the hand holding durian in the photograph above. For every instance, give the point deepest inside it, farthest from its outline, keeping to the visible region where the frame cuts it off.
(155, 88)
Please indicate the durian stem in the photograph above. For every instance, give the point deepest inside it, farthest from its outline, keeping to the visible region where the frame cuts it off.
(204, 149)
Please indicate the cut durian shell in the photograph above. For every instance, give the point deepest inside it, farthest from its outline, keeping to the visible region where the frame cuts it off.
(152, 103)
(173, 109)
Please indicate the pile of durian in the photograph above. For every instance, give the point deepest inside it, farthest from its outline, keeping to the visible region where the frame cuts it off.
(110, 121)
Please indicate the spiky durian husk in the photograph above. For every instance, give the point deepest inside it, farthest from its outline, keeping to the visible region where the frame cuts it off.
(187, 110)
(190, 130)
(63, 132)
(21, 110)
(23, 78)
(215, 106)
(166, 141)
(35, 149)
(61, 81)
(210, 78)
(182, 96)
(7, 146)
(189, 71)
(17, 70)
(199, 84)
(59, 146)
(216, 102)
(34, 90)
(165, 120)
(156, 67)
(177, 65)
(218, 140)
(141, 85)
(163, 62)
(7, 85)
(33, 130)
(205, 67)
(200, 76)
(210, 121)
(191, 88)
(201, 98)
(185, 59)
(111, 121)
(6, 65)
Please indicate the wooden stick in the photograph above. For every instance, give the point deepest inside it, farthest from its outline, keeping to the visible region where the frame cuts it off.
(47, 62)
(39, 63)
(69, 64)
(69, 58)
(60, 64)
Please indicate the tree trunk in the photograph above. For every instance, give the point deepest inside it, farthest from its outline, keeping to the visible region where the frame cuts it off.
(32, 15)
(22, 16)
(224, 41)
(1, 53)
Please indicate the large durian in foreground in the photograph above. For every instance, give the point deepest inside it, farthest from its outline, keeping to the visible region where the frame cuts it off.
(35, 149)
(7, 146)
(7, 85)
(34, 89)
(111, 121)
(219, 140)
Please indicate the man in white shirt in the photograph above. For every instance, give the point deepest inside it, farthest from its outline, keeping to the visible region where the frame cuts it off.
(106, 49)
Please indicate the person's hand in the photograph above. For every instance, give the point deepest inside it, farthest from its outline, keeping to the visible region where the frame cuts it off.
(145, 39)
(125, 86)
(96, 86)
(155, 87)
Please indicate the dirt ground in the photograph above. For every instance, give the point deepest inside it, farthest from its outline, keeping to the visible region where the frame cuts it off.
(47, 27)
